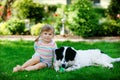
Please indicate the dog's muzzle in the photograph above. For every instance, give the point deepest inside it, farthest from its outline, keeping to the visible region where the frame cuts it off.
(63, 65)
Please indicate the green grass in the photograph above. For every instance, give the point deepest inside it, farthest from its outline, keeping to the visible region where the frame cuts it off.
(17, 52)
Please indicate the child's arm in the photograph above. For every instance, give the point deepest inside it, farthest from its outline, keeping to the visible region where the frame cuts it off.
(35, 45)
(54, 56)
(55, 47)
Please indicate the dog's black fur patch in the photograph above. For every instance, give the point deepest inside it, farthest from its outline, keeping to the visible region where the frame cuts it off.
(59, 53)
(70, 54)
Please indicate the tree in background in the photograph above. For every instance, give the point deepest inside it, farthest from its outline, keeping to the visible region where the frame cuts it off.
(27, 9)
(6, 8)
(114, 9)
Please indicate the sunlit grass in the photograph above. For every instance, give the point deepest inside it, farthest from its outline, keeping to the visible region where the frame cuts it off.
(17, 52)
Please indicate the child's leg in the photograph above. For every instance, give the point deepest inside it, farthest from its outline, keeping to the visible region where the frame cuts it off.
(17, 68)
(28, 63)
(31, 62)
(36, 66)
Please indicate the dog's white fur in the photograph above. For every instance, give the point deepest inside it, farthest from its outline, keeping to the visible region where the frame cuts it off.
(86, 58)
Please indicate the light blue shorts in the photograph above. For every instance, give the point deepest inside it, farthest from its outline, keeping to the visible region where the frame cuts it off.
(42, 60)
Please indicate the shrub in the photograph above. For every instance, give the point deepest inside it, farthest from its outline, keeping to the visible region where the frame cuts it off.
(82, 18)
(110, 28)
(4, 30)
(52, 8)
(27, 9)
(16, 26)
(100, 11)
(35, 29)
(114, 9)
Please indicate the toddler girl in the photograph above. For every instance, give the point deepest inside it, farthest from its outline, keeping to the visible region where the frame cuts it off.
(44, 51)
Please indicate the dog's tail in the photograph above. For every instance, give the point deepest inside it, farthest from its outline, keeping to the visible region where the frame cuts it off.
(116, 60)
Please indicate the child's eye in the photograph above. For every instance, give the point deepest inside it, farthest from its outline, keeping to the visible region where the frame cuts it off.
(45, 33)
(50, 34)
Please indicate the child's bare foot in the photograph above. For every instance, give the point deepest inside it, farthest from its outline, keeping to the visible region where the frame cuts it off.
(17, 68)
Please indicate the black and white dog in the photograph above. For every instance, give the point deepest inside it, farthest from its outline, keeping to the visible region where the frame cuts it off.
(71, 59)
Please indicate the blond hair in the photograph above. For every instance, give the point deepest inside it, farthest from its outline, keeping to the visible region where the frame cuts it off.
(45, 28)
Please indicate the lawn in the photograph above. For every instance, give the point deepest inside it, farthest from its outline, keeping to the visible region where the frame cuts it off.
(17, 52)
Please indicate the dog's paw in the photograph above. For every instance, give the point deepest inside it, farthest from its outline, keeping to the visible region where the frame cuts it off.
(68, 69)
(56, 69)
(110, 66)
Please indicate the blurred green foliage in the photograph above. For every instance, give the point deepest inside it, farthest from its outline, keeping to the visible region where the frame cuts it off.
(12, 26)
(82, 18)
(27, 9)
(114, 9)
(35, 29)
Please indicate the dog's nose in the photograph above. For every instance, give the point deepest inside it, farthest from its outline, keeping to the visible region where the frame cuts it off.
(63, 65)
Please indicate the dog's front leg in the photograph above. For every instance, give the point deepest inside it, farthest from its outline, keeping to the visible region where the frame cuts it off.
(74, 67)
(56, 66)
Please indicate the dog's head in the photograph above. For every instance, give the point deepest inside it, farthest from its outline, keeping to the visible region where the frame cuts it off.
(65, 56)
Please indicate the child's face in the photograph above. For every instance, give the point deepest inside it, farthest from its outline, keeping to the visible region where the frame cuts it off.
(47, 36)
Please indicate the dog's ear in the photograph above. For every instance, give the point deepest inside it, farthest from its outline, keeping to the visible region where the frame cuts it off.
(59, 53)
(70, 54)
(58, 48)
